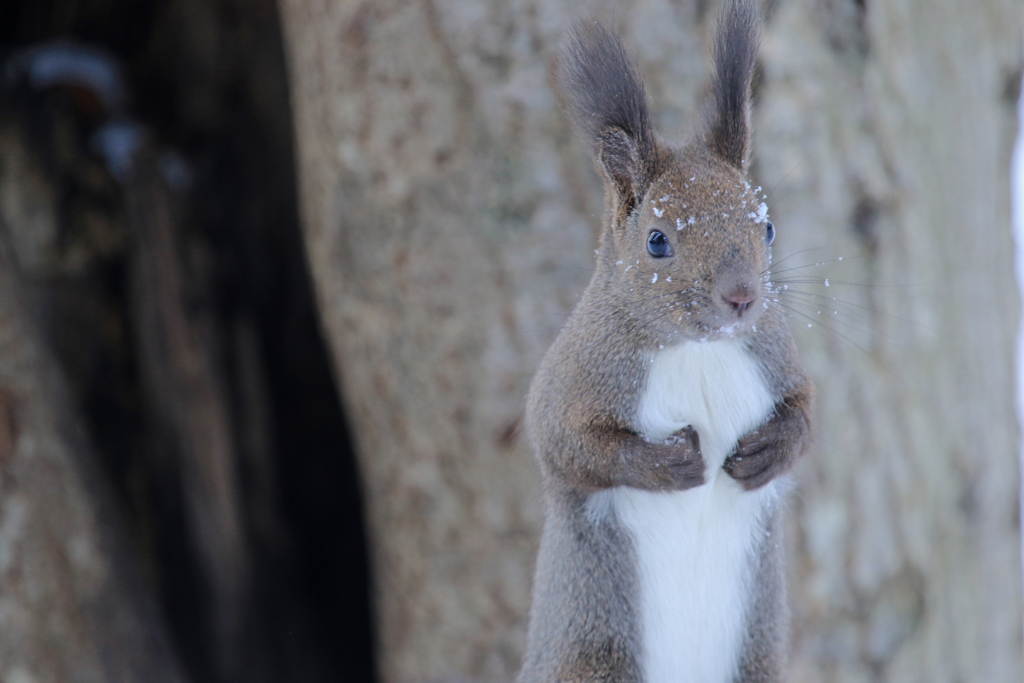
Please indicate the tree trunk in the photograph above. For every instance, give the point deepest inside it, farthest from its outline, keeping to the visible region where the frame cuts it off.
(72, 605)
(449, 219)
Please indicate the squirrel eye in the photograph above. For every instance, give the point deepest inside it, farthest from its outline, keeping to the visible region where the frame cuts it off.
(769, 234)
(658, 245)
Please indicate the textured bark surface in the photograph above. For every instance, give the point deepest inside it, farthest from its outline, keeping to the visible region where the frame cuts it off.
(174, 297)
(449, 219)
(72, 607)
(192, 432)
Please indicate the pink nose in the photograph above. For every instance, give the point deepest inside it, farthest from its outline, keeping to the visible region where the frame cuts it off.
(740, 298)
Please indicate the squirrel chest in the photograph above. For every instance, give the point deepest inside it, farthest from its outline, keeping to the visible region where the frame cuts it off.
(694, 548)
(716, 387)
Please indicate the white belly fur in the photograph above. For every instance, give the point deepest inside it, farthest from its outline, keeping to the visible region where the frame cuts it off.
(694, 547)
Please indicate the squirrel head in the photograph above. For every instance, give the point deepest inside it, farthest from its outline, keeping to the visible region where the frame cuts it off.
(685, 252)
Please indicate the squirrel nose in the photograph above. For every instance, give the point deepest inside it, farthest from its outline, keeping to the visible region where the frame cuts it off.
(740, 296)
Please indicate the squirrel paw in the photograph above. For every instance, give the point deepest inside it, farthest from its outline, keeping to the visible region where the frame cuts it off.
(680, 461)
(760, 457)
(770, 450)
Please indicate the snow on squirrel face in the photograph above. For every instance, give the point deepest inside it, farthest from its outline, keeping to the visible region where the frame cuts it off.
(693, 256)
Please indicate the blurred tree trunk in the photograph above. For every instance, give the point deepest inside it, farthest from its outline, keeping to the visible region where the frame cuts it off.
(72, 604)
(191, 413)
(174, 298)
(449, 218)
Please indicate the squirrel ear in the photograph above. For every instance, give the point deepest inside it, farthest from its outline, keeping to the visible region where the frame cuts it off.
(619, 155)
(603, 95)
(728, 120)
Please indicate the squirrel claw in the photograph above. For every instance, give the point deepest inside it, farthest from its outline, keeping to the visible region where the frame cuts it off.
(685, 464)
(760, 457)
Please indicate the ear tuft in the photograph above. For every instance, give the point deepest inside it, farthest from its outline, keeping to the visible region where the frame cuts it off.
(736, 42)
(604, 97)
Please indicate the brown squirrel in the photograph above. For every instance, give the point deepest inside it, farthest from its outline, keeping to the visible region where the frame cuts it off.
(668, 408)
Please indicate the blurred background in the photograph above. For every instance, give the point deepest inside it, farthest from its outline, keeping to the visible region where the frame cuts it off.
(274, 279)
(151, 242)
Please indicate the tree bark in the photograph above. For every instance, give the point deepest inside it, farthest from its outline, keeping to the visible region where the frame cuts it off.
(191, 430)
(72, 604)
(449, 219)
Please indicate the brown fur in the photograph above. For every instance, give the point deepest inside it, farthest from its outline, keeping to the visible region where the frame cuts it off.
(583, 401)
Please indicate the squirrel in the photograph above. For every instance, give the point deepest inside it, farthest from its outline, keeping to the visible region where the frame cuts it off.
(669, 407)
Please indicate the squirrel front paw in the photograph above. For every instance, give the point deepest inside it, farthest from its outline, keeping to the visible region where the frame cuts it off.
(626, 458)
(759, 458)
(678, 464)
(770, 450)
